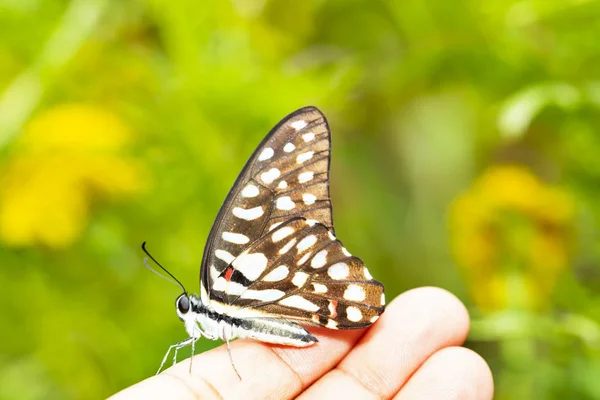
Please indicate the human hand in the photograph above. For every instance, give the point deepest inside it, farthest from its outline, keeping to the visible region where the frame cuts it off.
(411, 352)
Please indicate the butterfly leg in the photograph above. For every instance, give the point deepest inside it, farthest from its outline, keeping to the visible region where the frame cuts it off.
(198, 332)
(225, 337)
(175, 346)
(192, 356)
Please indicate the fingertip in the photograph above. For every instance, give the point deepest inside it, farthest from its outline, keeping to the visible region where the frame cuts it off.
(429, 298)
(477, 370)
(451, 373)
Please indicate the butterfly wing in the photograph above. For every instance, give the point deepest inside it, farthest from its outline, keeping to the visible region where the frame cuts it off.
(300, 271)
(286, 176)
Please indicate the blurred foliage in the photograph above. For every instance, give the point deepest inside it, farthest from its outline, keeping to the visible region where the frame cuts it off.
(512, 236)
(124, 121)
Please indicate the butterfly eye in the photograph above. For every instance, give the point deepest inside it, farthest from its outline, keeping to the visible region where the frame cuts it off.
(183, 304)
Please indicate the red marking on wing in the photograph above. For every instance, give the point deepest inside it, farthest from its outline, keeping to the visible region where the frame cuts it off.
(228, 274)
(333, 308)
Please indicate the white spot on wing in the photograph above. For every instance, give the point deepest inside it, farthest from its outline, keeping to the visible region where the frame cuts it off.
(224, 255)
(304, 157)
(299, 278)
(251, 265)
(346, 252)
(353, 314)
(219, 284)
(311, 222)
(264, 295)
(287, 247)
(282, 233)
(306, 243)
(338, 271)
(250, 191)
(235, 288)
(204, 291)
(285, 203)
(282, 185)
(304, 258)
(266, 154)
(289, 147)
(308, 136)
(277, 274)
(227, 309)
(214, 274)
(319, 259)
(297, 125)
(232, 288)
(270, 175)
(236, 238)
(330, 235)
(354, 293)
(367, 274)
(319, 288)
(332, 307)
(248, 215)
(382, 299)
(305, 176)
(299, 302)
(309, 198)
(331, 324)
(375, 318)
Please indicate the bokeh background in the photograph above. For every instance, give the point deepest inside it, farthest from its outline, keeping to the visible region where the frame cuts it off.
(466, 155)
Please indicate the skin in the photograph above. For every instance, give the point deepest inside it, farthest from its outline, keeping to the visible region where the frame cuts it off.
(412, 352)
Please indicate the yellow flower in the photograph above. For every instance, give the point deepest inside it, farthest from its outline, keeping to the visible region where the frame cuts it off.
(511, 235)
(75, 128)
(67, 158)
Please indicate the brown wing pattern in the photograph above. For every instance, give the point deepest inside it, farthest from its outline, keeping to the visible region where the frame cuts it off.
(286, 176)
(300, 271)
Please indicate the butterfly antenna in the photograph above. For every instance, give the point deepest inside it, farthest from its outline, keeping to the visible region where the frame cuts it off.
(173, 280)
(158, 273)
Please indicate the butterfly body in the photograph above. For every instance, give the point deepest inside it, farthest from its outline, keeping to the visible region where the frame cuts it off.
(272, 261)
(201, 321)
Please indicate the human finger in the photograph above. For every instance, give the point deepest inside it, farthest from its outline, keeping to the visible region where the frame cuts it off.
(450, 374)
(267, 371)
(414, 326)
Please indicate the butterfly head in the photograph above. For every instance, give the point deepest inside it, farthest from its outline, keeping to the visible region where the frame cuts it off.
(183, 305)
(188, 307)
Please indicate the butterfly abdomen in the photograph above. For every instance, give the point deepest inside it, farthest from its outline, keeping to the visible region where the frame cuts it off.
(264, 329)
(273, 330)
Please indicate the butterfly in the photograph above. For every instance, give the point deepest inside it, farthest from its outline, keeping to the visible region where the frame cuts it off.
(272, 261)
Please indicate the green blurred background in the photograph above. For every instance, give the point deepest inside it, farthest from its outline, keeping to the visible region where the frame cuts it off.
(466, 155)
